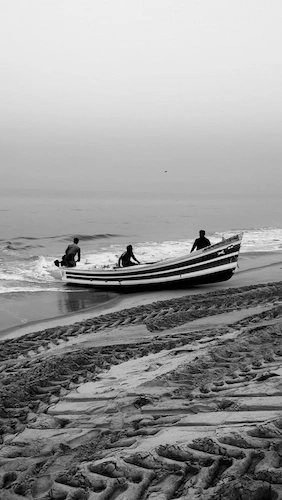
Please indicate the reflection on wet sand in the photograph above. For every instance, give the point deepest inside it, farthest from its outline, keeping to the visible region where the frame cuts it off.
(77, 300)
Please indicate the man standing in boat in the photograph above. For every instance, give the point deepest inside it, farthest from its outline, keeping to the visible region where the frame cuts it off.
(201, 242)
(125, 258)
(72, 250)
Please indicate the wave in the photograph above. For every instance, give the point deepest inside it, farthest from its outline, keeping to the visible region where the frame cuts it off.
(37, 270)
(67, 237)
(22, 243)
(97, 236)
(17, 246)
(28, 289)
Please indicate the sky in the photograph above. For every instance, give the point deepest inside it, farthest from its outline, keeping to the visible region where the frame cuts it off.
(142, 95)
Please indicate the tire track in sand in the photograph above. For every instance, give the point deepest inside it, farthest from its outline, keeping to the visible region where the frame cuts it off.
(196, 415)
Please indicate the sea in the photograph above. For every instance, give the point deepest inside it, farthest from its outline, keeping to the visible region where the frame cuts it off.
(36, 226)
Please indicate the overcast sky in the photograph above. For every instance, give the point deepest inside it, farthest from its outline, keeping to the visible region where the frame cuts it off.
(109, 94)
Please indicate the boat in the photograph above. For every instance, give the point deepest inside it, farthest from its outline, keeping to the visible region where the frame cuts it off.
(212, 264)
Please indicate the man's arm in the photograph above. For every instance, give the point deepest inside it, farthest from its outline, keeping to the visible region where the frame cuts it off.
(133, 256)
(78, 255)
(194, 246)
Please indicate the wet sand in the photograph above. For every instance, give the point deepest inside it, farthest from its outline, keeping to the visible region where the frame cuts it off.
(19, 309)
(171, 395)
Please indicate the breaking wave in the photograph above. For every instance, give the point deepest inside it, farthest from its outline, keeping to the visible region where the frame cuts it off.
(23, 243)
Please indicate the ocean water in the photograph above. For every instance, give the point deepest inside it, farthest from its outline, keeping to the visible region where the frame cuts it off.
(37, 226)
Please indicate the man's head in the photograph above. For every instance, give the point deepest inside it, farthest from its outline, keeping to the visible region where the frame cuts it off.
(76, 240)
(202, 233)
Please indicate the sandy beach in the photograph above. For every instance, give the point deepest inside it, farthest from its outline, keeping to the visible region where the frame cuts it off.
(160, 396)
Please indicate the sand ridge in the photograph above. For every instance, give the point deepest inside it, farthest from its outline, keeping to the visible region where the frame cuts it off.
(146, 403)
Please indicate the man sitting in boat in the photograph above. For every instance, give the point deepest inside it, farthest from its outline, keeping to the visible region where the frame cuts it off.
(72, 250)
(125, 258)
(201, 242)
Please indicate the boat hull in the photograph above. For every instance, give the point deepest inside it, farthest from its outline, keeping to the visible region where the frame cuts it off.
(210, 265)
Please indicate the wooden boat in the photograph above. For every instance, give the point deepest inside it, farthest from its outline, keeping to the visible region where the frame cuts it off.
(212, 264)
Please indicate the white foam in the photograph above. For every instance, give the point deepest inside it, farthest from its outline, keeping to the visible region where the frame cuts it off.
(27, 275)
(33, 289)
(259, 240)
(144, 252)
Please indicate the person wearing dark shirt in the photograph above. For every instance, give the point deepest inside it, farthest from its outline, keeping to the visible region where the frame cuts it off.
(72, 250)
(201, 242)
(125, 258)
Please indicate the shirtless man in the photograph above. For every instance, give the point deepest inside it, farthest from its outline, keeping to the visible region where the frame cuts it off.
(72, 250)
(125, 258)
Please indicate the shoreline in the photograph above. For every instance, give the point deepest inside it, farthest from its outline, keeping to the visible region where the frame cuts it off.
(252, 270)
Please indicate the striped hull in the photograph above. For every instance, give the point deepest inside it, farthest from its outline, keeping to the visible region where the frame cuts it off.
(212, 264)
